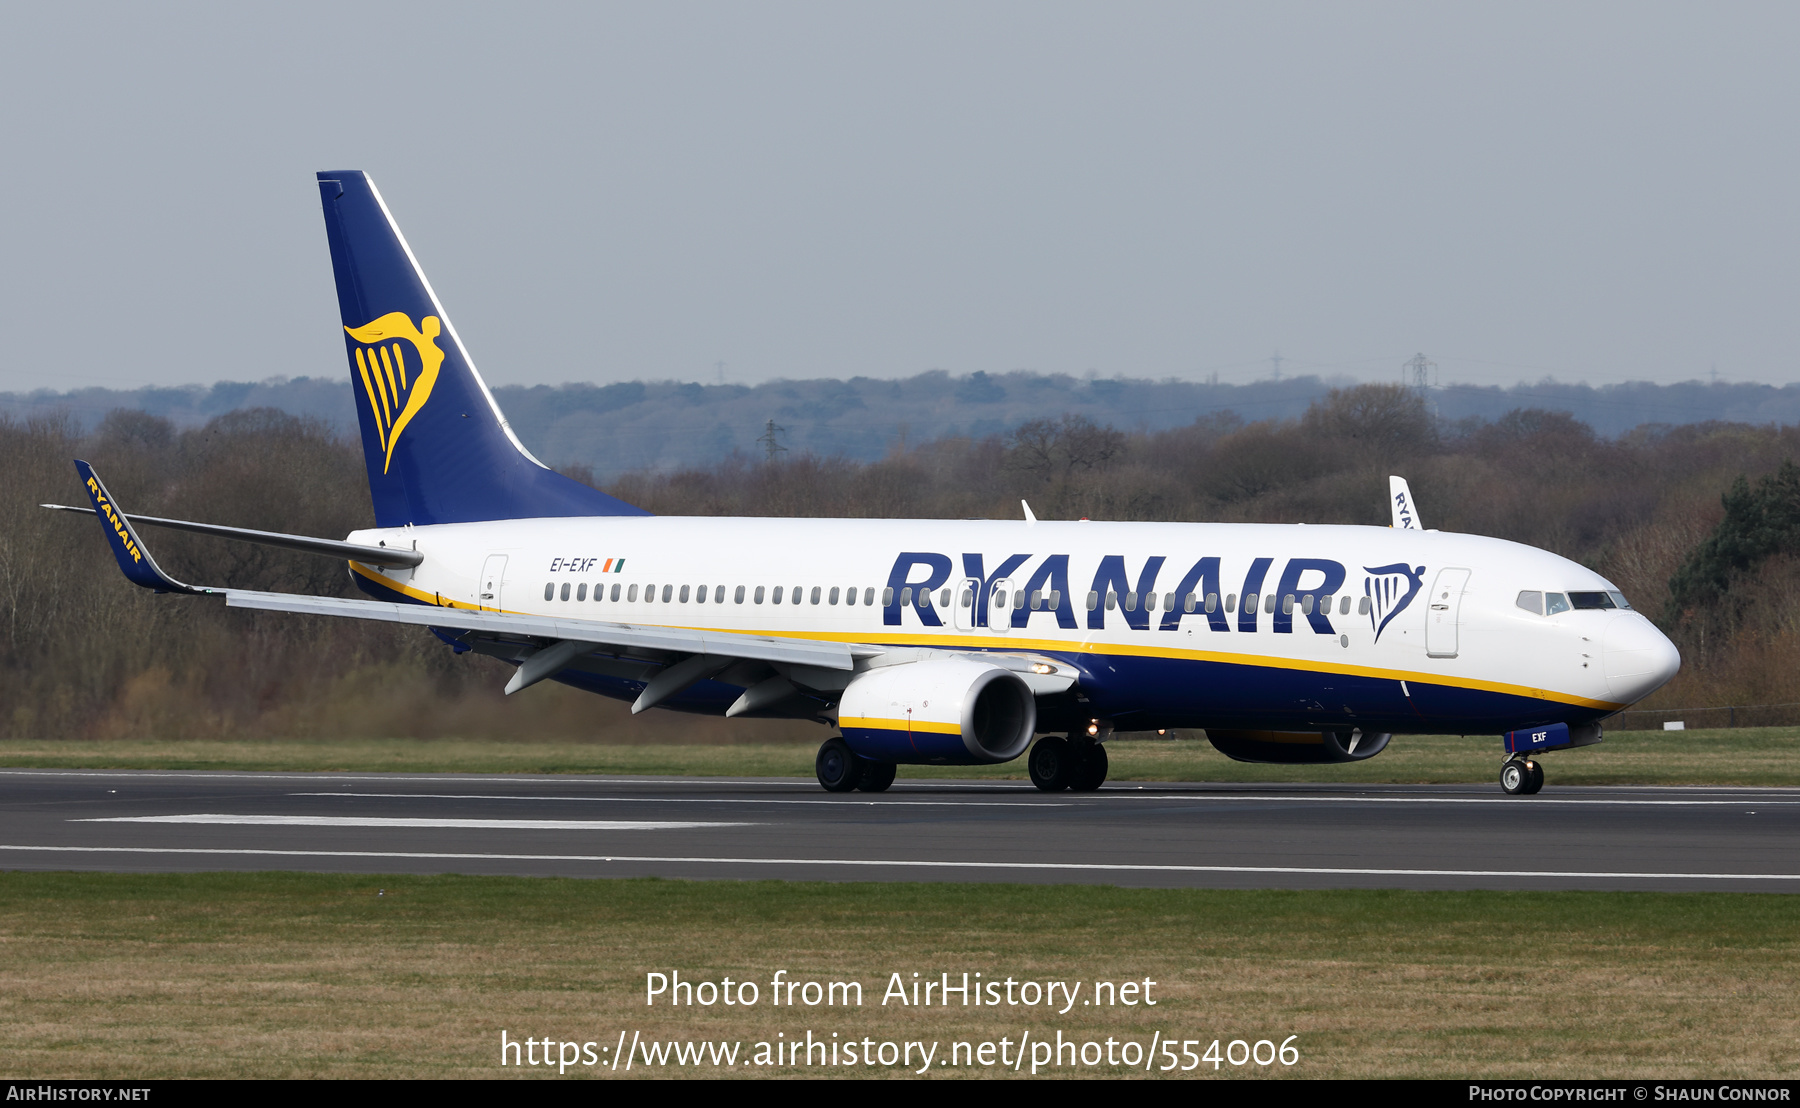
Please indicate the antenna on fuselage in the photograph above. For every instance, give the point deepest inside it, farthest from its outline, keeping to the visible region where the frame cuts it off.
(1400, 502)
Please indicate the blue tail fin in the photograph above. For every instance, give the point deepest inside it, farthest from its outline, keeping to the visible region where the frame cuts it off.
(437, 447)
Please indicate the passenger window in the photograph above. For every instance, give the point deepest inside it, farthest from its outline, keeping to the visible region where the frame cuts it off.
(1131, 602)
(1019, 599)
(757, 596)
(550, 590)
(1531, 601)
(1249, 602)
(615, 593)
(1306, 604)
(944, 599)
(1344, 606)
(1112, 600)
(1056, 598)
(1093, 601)
(738, 596)
(670, 589)
(1287, 605)
(1362, 606)
(776, 598)
(999, 598)
(887, 596)
(565, 590)
(906, 596)
(1169, 602)
(794, 594)
(833, 597)
(1555, 602)
(1231, 602)
(1268, 603)
(850, 597)
(630, 595)
(684, 594)
(1212, 602)
(869, 597)
(968, 598)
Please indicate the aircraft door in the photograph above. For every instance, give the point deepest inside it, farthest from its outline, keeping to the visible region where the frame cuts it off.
(493, 574)
(1443, 612)
(962, 616)
(999, 606)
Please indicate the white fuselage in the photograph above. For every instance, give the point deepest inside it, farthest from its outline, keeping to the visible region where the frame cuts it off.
(1411, 610)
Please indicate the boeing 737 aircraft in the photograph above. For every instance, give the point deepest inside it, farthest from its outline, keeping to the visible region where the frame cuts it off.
(929, 641)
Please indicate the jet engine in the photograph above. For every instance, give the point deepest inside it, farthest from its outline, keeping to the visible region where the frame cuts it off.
(945, 711)
(1298, 747)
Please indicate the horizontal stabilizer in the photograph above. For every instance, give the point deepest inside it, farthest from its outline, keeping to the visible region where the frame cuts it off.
(331, 548)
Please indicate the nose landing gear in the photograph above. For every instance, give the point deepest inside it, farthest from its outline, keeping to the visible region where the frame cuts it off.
(1521, 776)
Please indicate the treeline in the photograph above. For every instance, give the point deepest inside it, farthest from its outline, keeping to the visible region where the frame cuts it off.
(667, 425)
(1709, 507)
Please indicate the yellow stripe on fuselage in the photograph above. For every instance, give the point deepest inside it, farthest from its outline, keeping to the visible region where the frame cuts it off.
(1010, 643)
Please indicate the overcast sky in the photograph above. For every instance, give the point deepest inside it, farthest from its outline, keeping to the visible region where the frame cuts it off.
(1598, 192)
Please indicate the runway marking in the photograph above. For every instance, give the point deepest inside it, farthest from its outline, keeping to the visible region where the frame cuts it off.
(897, 863)
(214, 818)
(1171, 797)
(721, 800)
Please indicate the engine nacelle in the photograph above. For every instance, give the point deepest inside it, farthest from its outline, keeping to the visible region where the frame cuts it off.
(946, 711)
(1298, 747)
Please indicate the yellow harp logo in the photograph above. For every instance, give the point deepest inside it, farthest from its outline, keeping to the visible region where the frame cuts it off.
(396, 388)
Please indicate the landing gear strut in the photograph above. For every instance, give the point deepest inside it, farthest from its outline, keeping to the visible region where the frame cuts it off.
(1521, 776)
(1077, 763)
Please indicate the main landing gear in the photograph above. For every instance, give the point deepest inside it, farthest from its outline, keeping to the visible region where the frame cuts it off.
(1521, 776)
(1077, 763)
(841, 771)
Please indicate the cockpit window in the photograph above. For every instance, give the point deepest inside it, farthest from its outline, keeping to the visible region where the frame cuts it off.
(1532, 602)
(1584, 600)
(1555, 602)
(1619, 600)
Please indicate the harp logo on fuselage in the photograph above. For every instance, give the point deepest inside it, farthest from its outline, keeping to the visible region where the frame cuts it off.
(398, 365)
(1390, 589)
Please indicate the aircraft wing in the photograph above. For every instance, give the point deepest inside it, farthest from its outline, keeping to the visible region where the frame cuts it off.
(596, 634)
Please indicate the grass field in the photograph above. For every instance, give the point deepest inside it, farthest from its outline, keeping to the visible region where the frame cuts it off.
(1741, 756)
(300, 975)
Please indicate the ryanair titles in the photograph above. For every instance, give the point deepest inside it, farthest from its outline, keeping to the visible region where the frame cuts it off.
(112, 517)
(970, 592)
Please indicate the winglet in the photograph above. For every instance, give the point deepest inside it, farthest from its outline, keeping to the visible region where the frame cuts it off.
(1030, 516)
(1400, 499)
(140, 568)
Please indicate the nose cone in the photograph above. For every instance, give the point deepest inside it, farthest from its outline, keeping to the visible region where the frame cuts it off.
(1638, 658)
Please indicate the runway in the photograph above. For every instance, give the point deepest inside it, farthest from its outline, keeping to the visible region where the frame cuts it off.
(1170, 835)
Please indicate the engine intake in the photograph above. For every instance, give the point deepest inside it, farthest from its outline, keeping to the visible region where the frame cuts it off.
(1298, 747)
(946, 711)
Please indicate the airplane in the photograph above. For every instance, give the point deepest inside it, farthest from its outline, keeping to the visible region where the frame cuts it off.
(944, 642)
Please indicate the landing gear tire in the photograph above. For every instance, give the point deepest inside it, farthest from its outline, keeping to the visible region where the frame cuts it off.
(1516, 777)
(1537, 778)
(877, 776)
(1089, 770)
(1050, 764)
(838, 767)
